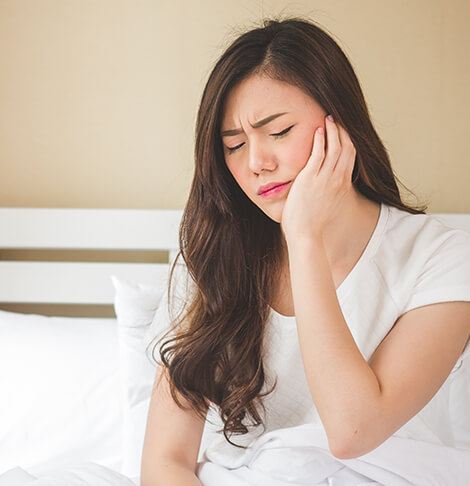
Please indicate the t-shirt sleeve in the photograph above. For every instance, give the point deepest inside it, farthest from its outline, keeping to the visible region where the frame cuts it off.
(445, 275)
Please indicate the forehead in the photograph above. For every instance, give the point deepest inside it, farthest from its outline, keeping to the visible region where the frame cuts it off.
(259, 96)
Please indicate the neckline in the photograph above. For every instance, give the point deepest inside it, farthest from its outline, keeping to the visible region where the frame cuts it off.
(370, 248)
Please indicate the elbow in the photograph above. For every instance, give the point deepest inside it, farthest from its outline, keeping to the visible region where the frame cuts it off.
(342, 452)
(352, 446)
(355, 436)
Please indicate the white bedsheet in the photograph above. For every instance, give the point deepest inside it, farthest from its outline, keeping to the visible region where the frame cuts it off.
(294, 456)
(300, 456)
(85, 474)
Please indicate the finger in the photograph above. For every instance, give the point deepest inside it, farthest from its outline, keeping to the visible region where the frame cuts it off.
(334, 146)
(315, 161)
(348, 153)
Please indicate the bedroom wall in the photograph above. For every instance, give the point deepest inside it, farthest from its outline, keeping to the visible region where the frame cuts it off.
(98, 98)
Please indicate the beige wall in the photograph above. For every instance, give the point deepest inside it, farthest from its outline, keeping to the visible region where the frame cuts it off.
(98, 98)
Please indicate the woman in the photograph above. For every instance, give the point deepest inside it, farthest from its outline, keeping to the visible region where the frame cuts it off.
(313, 293)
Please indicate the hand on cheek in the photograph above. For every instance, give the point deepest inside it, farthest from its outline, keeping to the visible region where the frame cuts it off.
(320, 186)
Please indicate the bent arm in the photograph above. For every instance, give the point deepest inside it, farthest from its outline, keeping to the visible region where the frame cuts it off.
(171, 472)
(361, 404)
(343, 387)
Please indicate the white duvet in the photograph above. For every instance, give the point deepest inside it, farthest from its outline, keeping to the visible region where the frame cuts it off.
(294, 456)
(300, 456)
(89, 474)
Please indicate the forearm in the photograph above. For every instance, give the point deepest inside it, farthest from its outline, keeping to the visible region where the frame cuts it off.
(172, 473)
(344, 388)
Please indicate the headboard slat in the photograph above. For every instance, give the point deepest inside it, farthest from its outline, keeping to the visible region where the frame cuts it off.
(72, 282)
(139, 229)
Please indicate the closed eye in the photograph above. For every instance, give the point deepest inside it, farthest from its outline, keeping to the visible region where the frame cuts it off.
(280, 134)
(275, 135)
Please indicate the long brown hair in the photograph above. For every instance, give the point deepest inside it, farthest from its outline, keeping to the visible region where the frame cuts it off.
(231, 249)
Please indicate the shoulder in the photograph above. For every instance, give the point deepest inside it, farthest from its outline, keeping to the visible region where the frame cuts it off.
(423, 260)
(182, 285)
(174, 302)
(412, 239)
(425, 232)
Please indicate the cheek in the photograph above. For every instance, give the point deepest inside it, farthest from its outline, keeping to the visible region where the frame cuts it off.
(231, 169)
(300, 150)
(237, 173)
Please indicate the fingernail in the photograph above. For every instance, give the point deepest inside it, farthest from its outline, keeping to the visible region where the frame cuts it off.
(330, 118)
(320, 130)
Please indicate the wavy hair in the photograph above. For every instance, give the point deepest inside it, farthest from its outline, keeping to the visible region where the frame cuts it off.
(232, 250)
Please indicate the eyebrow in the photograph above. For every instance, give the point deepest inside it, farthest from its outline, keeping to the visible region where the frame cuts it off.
(264, 121)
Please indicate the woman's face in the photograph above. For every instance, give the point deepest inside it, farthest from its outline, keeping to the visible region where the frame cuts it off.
(267, 134)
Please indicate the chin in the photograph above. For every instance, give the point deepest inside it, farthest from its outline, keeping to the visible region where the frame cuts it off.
(272, 211)
(274, 215)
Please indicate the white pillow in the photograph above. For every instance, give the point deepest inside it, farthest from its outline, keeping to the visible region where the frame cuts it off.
(135, 305)
(60, 392)
(142, 313)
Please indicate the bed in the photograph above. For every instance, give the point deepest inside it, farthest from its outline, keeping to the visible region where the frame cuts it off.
(76, 387)
(65, 378)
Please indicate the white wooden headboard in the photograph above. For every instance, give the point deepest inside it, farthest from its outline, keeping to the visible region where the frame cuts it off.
(93, 229)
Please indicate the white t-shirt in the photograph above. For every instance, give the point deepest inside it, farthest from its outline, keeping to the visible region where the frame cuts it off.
(411, 260)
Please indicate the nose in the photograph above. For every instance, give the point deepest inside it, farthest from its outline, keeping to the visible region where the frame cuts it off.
(261, 158)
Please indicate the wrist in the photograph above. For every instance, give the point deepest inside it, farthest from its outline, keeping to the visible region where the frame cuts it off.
(314, 240)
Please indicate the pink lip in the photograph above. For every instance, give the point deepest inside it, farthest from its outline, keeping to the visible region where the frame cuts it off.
(275, 190)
